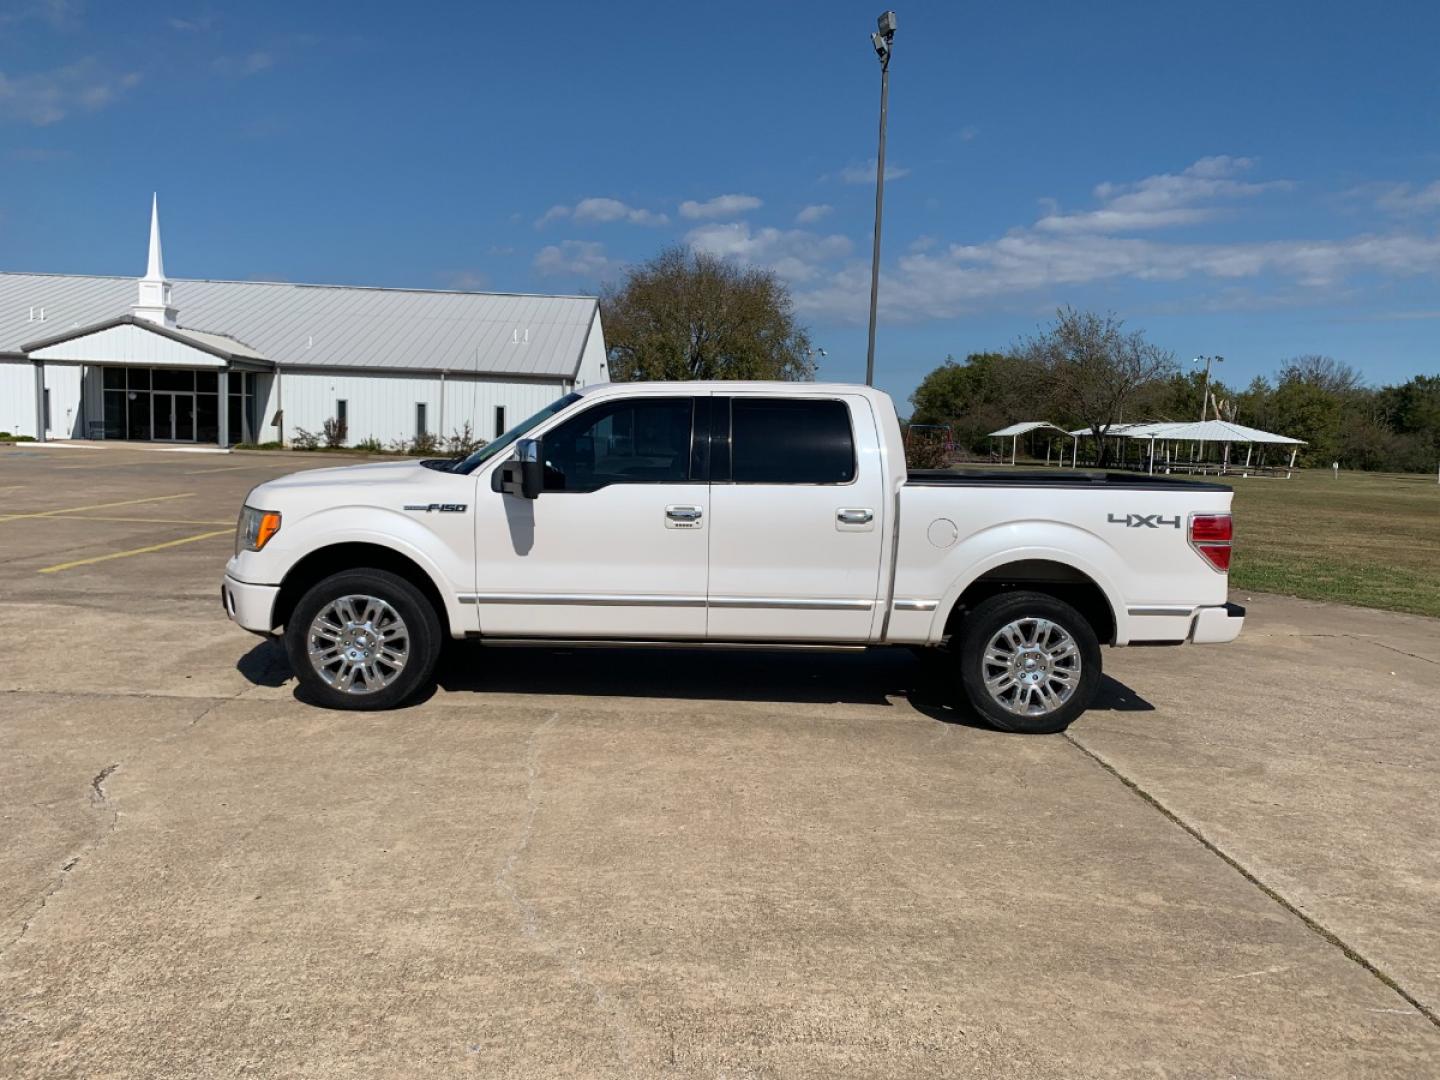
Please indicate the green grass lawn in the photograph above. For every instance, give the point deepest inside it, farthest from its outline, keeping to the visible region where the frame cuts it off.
(1367, 538)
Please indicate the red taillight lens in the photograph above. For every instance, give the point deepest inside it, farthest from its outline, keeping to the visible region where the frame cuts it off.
(1211, 536)
(1217, 555)
(1211, 528)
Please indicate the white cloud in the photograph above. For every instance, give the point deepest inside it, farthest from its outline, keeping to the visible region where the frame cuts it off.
(60, 14)
(1060, 253)
(1163, 200)
(243, 66)
(1408, 199)
(967, 277)
(48, 97)
(865, 173)
(604, 210)
(465, 280)
(794, 254)
(813, 213)
(39, 154)
(719, 206)
(576, 258)
(601, 211)
(196, 25)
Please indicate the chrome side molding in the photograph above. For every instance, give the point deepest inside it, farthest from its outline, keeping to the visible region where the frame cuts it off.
(678, 643)
(772, 603)
(583, 599)
(782, 603)
(916, 605)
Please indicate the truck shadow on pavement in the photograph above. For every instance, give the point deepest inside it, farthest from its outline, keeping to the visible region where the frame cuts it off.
(876, 677)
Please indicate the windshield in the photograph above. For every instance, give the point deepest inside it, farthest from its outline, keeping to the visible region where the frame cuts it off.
(489, 450)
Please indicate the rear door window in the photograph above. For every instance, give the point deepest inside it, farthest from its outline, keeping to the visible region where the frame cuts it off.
(791, 441)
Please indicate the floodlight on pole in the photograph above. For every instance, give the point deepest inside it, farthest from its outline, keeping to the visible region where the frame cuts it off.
(883, 40)
(1205, 387)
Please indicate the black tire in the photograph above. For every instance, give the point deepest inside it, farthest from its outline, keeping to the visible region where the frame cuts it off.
(422, 635)
(986, 620)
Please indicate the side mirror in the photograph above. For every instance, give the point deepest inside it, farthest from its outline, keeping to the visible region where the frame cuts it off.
(523, 475)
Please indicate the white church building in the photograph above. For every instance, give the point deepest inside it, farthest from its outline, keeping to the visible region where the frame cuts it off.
(224, 362)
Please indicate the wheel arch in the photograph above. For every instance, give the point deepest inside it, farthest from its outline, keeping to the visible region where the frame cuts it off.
(355, 555)
(1046, 574)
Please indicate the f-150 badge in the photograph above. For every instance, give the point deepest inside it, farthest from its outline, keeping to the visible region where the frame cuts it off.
(444, 508)
(1144, 521)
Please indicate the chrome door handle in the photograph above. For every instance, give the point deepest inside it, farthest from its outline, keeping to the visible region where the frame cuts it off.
(684, 513)
(854, 516)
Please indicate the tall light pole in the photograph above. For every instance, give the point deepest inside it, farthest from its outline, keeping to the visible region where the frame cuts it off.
(882, 40)
(1205, 387)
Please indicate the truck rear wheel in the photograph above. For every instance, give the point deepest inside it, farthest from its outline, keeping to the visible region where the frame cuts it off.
(363, 639)
(1029, 663)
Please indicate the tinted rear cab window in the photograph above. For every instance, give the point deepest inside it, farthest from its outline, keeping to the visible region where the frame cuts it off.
(791, 441)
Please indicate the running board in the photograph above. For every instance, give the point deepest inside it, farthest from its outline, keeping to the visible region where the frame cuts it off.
(620, 643)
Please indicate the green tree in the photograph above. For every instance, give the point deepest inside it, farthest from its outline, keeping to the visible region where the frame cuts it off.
(983, 393)
(1413, 408)
(689, 315)
(1094, 370)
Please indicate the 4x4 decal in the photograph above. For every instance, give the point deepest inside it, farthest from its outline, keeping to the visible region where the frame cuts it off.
(1144, 521)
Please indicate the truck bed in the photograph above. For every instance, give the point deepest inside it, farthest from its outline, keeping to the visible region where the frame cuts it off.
(1088, 479)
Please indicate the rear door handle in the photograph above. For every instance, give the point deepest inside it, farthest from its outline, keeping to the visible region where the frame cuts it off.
(683, 517)
(854, 516)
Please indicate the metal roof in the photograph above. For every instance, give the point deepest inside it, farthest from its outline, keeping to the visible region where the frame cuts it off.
(1208, 431)
(221, 345)
(326, 325)
(1113, 429)
(1024, 428)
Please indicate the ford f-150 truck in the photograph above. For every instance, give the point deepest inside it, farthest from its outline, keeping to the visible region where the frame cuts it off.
(735, 514)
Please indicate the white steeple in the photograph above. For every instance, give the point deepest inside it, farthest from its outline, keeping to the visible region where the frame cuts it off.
(154, 304)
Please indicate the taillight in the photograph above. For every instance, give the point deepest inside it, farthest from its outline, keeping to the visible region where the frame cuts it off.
(1211, 535)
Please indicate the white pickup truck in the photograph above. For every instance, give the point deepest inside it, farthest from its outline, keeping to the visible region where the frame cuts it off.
(734, 514)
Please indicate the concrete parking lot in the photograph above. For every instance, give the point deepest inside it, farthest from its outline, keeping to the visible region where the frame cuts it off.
(613, 864)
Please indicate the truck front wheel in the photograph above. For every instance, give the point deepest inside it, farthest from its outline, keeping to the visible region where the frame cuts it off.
(363, 639)
(1029, 663)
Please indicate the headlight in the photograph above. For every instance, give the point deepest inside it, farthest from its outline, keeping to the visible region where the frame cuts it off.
(255, 528)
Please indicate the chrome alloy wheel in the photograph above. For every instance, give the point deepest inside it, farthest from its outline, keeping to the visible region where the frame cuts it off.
(358, 644)
(1031, 667)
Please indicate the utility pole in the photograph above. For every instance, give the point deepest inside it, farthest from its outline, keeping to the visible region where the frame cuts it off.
(1205, 388)
(882, 40)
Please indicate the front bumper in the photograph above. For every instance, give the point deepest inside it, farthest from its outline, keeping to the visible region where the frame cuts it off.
(1216, 625)
(250, 606)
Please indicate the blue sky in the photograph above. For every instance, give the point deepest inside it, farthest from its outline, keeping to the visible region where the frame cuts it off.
(1255, 180)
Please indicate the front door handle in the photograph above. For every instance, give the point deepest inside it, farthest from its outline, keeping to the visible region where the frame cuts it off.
(683, 517)
(854, 516)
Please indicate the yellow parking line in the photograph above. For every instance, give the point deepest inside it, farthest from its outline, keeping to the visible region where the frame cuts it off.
(135, 551)
(103, 464)
(96, 506)
(151, 521)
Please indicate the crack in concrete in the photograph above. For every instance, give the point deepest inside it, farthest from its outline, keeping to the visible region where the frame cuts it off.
(98, 798)
(97, 785)
(1392, 648)
(529, 915)
(1312, 923)
(1362, 638)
